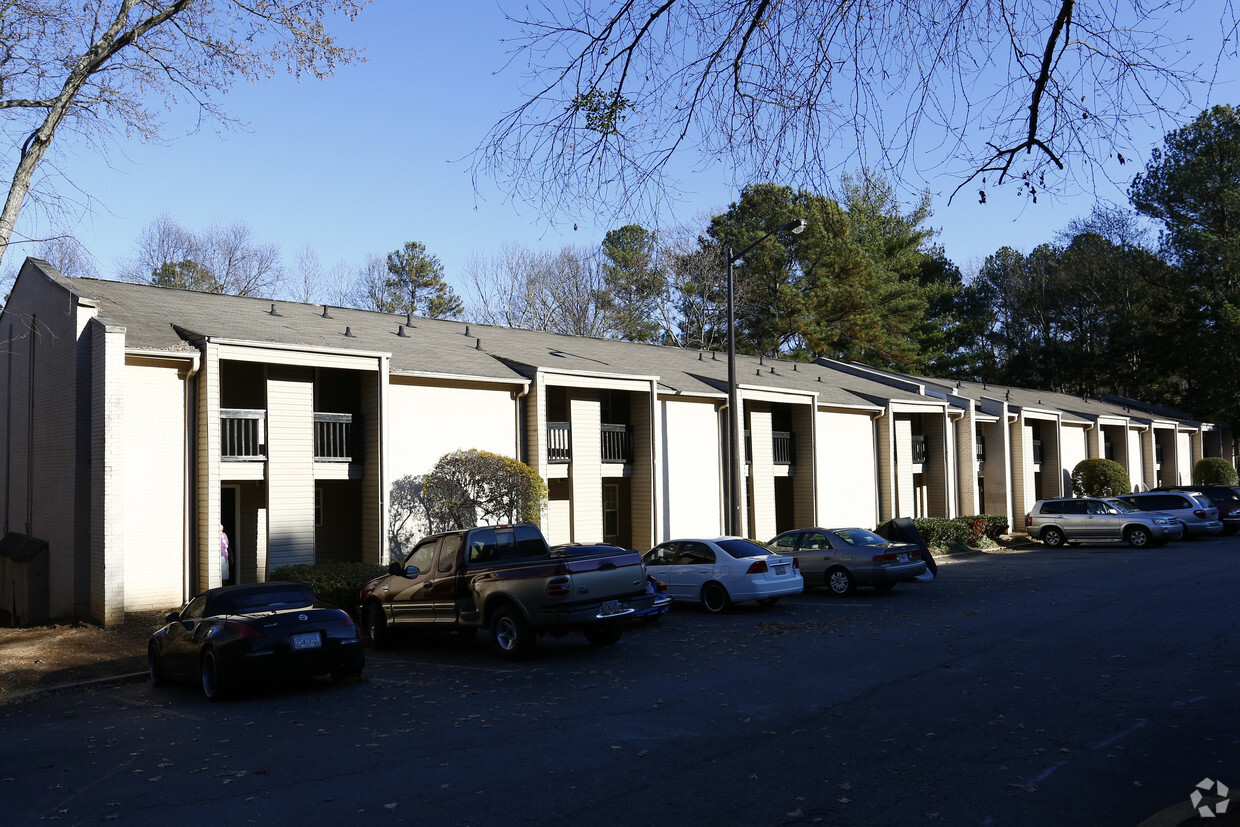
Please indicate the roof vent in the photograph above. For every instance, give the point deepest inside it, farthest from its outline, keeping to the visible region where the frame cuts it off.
(466, 330)
(699, 355)
(409, 320)
(772, 368)
(714, 357)
(400, 331)
(326, 315)
(348, 332)
(758, 372)
(819, 378)
(273, 311)
(478, 344)
(760, 362)
(794, 366)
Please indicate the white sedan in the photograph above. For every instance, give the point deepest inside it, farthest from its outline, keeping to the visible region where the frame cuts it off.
(723, 571)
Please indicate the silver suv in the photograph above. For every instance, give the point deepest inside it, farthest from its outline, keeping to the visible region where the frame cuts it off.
(1190, 507)
(1090, 520)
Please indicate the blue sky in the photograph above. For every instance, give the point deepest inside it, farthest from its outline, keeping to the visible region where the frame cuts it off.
(369, 159)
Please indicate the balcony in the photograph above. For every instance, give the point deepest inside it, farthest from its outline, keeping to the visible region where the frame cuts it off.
(919, 449)
(334, 437)
(243, 434)
(616, 442)
(783, 448)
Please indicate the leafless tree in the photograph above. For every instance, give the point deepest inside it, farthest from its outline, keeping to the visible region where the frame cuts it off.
(538, 290)
(103, 69)
(161, 242)
(241, 263)
(1041, 93)
(369, 288)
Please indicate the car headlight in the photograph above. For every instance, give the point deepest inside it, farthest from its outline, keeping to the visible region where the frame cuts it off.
(1161, 521)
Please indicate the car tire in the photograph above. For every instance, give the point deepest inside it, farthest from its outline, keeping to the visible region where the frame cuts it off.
(604, 634)
(840, 582)
(715, 598)
(1052, 537)
(156, 671)
(214, 684)
(377, 631)
(1138, 537)
(768, 601)
(511, 636)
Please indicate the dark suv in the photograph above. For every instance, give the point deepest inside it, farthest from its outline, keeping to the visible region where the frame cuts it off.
(1225, 498)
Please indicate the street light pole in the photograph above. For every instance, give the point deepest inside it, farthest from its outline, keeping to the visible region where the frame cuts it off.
(736, 451)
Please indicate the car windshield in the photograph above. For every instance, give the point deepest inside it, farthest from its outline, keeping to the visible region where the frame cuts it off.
(283, 597)
(742, 548)
(1123, 507)
(859, 537)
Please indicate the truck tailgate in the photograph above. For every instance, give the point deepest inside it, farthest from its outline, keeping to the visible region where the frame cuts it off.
(606, 576)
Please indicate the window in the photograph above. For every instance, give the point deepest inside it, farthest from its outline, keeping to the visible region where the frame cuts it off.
(482, 546)
(695, 554)
(422, 556)
(611, 511)
(787, 541)
(447, 555)
(663, 555)
(815, 541)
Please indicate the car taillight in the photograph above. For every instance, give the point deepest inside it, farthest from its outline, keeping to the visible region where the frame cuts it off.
(759, 567)
(1200, 514)
(796, 563)
(348, 621)
(885, 558)
(1028, 520)
(660, 587)
(243, 630)
(558, 586)
(915, 555)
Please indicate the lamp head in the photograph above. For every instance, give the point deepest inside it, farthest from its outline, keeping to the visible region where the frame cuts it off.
(797, 226)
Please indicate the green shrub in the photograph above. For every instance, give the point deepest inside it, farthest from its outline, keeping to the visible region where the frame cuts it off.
(1099, 477)
(335, 583)
(996, 526)
(960, 533)
(1215, 471)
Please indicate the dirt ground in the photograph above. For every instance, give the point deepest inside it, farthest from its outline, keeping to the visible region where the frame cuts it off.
(68, 652)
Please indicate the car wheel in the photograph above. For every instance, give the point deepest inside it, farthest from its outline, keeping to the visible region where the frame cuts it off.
(213, 683)
(1138, 537)
(840, 582)
(1052, 537)
(604, 634)
(768, 601)
(155, 669)
(377, 630)
(715, 598)
(511, 635)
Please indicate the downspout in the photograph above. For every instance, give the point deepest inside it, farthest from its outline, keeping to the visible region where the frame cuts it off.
(190, 512)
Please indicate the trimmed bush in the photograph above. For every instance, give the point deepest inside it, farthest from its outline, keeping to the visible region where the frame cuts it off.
(335, 583)
(1099, 477)
(1215, 471)
(961, 532)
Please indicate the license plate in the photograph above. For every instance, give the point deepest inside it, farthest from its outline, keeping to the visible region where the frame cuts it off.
(781, 570)
(307, 640)
(902, 557)
(611, 607)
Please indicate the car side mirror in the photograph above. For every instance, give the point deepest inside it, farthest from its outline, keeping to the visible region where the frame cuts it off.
(394, 568)
(172, 617)
(412, 572)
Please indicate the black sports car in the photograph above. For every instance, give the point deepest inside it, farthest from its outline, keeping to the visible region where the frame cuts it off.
(231, 635)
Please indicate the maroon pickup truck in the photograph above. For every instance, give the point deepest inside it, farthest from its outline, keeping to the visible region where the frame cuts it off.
(505, 579)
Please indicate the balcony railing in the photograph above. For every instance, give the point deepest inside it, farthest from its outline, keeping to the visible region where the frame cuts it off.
(783, 447)
(243, 434)
(559, 442)
(981, 448)
(333, 437)
(617, 443)
(919, 449)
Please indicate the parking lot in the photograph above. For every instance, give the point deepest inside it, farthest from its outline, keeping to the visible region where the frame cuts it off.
(1079, 686)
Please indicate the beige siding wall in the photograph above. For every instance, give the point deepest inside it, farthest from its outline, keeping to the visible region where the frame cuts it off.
(761, 473)
(154, 485)
(1136, 459)
(207, 567)
(107, 474)
(641, 484)
(429, 421)
(803, 481)
(1075, 450)
(884, 428)
(998, 473)
(1022, 470)
(938, 478)
(290, 465)
(846, 470)
(905, 495)
(586, 470)
(966, 463)
(692, 470)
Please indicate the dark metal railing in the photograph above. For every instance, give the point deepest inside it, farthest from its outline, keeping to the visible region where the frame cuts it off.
(981, 448)
(243, 434)
(333, 437)
(559, 442)
(784, 447)
(617, 442)
(919, 449)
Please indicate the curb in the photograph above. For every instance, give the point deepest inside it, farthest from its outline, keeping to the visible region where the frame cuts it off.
(131, 677)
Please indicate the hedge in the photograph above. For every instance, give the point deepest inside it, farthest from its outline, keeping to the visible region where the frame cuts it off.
(944, 533)
(1214, 471)
(337, 584)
